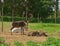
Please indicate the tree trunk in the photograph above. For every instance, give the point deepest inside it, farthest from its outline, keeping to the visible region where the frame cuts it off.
(2, 17)
(26, 18)
(56, 11)
(38, 18)
(0, 13)
(12, 15)
(23, 15)
(26, 13)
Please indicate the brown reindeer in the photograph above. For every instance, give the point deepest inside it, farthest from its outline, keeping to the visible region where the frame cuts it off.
(18, 25)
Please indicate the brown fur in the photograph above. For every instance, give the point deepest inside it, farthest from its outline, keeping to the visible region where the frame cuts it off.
(36, 33)
(19, 24)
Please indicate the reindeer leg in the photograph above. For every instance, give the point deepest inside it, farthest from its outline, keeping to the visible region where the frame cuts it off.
(22, 31)
(11, 30)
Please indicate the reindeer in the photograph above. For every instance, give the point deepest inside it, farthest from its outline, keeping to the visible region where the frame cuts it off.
(18, 25)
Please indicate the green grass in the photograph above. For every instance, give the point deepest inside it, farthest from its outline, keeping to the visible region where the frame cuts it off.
(2, 42)
(49, 27)
(31, 43)
(16, 43)
(51, 41)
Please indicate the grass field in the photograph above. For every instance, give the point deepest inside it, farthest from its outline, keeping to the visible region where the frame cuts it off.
(48, 27)
(51, 28)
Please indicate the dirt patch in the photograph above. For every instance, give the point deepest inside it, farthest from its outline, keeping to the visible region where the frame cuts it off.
(21, 38)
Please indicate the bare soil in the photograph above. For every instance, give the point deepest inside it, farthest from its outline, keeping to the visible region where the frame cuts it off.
(21, 38)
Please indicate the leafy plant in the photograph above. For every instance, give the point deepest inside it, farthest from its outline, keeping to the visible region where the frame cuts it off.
(52, 42)
(2, 40)
(31, 43)
(6, 44)
(16, 43)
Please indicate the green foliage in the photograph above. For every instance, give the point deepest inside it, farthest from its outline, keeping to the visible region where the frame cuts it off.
(2, 42)
(52, 42)
(50, 20)
(16, 43)
(9, 19)
(6, 44)
(43, 7)
(31, 43)
(33, 20)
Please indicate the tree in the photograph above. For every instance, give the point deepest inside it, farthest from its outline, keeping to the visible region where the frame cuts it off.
(40, 8)
(56, 11)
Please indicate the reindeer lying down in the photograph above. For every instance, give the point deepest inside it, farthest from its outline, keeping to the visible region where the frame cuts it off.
(18, 26)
